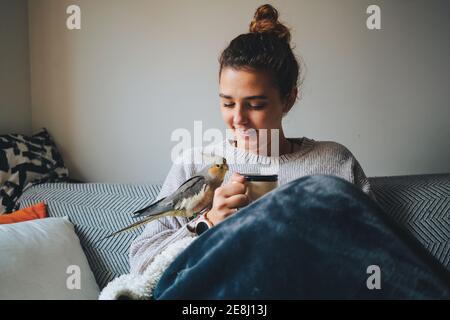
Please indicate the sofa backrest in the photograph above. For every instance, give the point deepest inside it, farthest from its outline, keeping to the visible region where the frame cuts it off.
(420, 203)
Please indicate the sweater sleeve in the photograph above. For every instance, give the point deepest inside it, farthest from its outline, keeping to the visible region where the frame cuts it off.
(158, 234)
(360, 179)
(345, 164)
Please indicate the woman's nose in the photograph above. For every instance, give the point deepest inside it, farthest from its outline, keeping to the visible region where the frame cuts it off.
(240, 115)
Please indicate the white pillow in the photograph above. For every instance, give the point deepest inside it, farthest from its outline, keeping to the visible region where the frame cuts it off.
(43, 259)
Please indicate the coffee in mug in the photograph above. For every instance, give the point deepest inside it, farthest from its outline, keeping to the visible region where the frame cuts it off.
(258, 185)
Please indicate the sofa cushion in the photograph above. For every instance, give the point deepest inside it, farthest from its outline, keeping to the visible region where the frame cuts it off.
(96, 210)
(25, 160)
(37, 211)
(29, 270)
(421, 203)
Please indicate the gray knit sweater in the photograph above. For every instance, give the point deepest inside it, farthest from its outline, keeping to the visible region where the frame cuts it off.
(311, 157)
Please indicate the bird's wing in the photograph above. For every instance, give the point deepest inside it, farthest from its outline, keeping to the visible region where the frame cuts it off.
(152, 205)
(160, 206)
(189, 188)
(190, 182)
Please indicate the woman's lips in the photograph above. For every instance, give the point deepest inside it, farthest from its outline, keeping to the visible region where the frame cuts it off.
(247, 133)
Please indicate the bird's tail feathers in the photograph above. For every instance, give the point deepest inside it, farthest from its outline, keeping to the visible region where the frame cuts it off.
(130, 227)
(140, 223)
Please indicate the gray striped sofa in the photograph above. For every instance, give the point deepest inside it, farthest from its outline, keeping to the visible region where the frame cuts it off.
(421, 203)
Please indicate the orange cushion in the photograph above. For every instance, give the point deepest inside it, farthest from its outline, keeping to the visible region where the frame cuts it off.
(38, 211)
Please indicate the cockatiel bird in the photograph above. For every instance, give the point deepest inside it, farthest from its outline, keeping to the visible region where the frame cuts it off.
(194, 195)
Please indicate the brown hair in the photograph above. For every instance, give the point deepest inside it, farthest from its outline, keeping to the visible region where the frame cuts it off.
(267, 48)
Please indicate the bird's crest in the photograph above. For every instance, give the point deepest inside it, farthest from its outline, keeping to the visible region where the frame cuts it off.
(212, 158)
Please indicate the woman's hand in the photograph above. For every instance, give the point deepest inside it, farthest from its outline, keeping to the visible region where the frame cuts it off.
(227, 199)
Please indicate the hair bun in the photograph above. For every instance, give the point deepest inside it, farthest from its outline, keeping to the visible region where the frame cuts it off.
(266, 20)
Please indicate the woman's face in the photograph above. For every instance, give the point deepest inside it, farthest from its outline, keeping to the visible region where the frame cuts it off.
(249, 100)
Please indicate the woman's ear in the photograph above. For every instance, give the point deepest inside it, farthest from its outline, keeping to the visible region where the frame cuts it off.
(290, 100)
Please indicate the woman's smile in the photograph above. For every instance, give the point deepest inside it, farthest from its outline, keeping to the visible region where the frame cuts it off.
(246, 133)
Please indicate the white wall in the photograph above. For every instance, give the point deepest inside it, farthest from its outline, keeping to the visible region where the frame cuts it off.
(112, 92)
(15, 108)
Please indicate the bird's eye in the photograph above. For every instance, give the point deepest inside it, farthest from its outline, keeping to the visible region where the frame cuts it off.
(217, 165)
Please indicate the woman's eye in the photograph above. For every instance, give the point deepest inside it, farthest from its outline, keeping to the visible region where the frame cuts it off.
(230, 105)
(256, 107)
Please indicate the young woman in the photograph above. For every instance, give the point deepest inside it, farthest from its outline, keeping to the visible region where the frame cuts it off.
(287, 244)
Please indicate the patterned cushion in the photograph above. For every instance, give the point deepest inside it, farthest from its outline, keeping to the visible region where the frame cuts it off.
(421, 203)
(96, 210)
(24, 161)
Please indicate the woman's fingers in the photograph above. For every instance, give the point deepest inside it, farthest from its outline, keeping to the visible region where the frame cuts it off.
(230, 189)
(232, 204)
(237, 177)
(237, 201)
